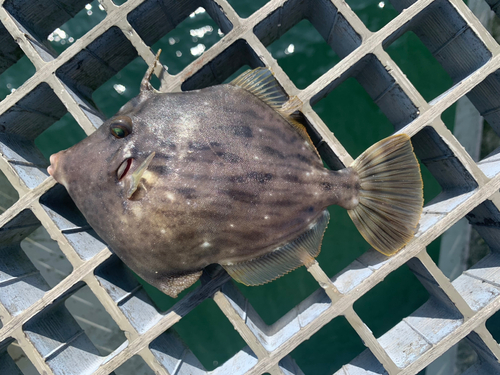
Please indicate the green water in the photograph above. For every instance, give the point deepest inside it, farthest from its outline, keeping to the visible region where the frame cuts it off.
(354, 119)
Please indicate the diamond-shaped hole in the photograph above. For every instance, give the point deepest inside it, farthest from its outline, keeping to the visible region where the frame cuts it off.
(95, 64)
(443, 56)
(353, 117)
(209, 335)
(246, 8)
(8, 195)
(453, 177)
(273, 300)
(314, 356)
(418, 64)
(135, 365)
(374, 14)
(303, 43)
(224, 67)
(59, 136)
(390, 301)
(18, 356)
(189, 40)
(13, 77)
(73, 226)
(46, 256)
(122, 87)
(21, 283)
(98, 325)
(490, 141)
(458, 358)
(66, 34)
(24, 122)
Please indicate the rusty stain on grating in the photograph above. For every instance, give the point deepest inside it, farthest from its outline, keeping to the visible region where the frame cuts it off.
(30, 310)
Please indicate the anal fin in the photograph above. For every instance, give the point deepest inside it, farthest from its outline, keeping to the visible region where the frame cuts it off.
(284, 259)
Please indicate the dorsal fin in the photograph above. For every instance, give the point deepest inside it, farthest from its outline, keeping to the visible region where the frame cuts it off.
(283, 259)
(261, 83)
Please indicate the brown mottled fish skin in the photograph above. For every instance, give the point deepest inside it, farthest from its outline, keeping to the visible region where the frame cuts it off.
(231, 180)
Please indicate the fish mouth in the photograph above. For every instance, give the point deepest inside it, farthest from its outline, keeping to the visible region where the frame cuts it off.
(124, 168)
(131, 178)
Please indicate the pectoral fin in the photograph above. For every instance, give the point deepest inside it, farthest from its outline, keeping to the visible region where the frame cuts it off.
(283, 259)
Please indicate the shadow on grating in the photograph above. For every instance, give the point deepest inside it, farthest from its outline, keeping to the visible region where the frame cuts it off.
(246, 8)
(134, 366)
(8, 195)
(189, 40)
(374, 14)
(97, 324)
(340, 351)
(46, 256)
(59, 136)
(212, 344)
(10, 50)
(303, 42)
(65, 35)
(15, 362)
(390, 301)
(13, 77)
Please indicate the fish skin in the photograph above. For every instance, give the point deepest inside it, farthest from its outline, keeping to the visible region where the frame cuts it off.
(230, 181)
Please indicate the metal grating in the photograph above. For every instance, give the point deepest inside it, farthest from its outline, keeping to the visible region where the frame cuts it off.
(33, 314)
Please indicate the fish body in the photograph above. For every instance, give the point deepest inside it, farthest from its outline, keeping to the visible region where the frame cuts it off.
(177, 181)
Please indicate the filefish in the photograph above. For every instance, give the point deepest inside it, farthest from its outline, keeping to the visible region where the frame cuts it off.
(175, 182)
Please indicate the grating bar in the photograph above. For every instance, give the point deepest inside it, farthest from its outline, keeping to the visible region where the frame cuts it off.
(456, 310)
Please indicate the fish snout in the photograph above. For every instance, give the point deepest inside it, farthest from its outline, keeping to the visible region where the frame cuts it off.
(54, 161)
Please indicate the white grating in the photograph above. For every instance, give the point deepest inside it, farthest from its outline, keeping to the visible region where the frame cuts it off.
(31, 311)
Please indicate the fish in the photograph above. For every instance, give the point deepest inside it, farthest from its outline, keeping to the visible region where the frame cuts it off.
(175, 182)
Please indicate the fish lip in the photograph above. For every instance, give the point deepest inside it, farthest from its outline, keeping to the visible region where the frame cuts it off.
(125, 167)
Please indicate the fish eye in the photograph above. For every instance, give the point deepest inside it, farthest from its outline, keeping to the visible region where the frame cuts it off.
(121, 127)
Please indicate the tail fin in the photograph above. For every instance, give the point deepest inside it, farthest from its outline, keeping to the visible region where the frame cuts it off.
(390, 197)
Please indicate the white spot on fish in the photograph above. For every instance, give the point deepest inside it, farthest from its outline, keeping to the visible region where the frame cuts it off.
(170, 196)
(163, 231)
(205, 244)
(231, 225)
(256, 157)
(260, 130)
(266, 217)
(156, 272)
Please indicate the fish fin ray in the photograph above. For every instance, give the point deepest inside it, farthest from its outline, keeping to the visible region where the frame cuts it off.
(284, 259)
(261, 83)
(173, 285)
(389, 209)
